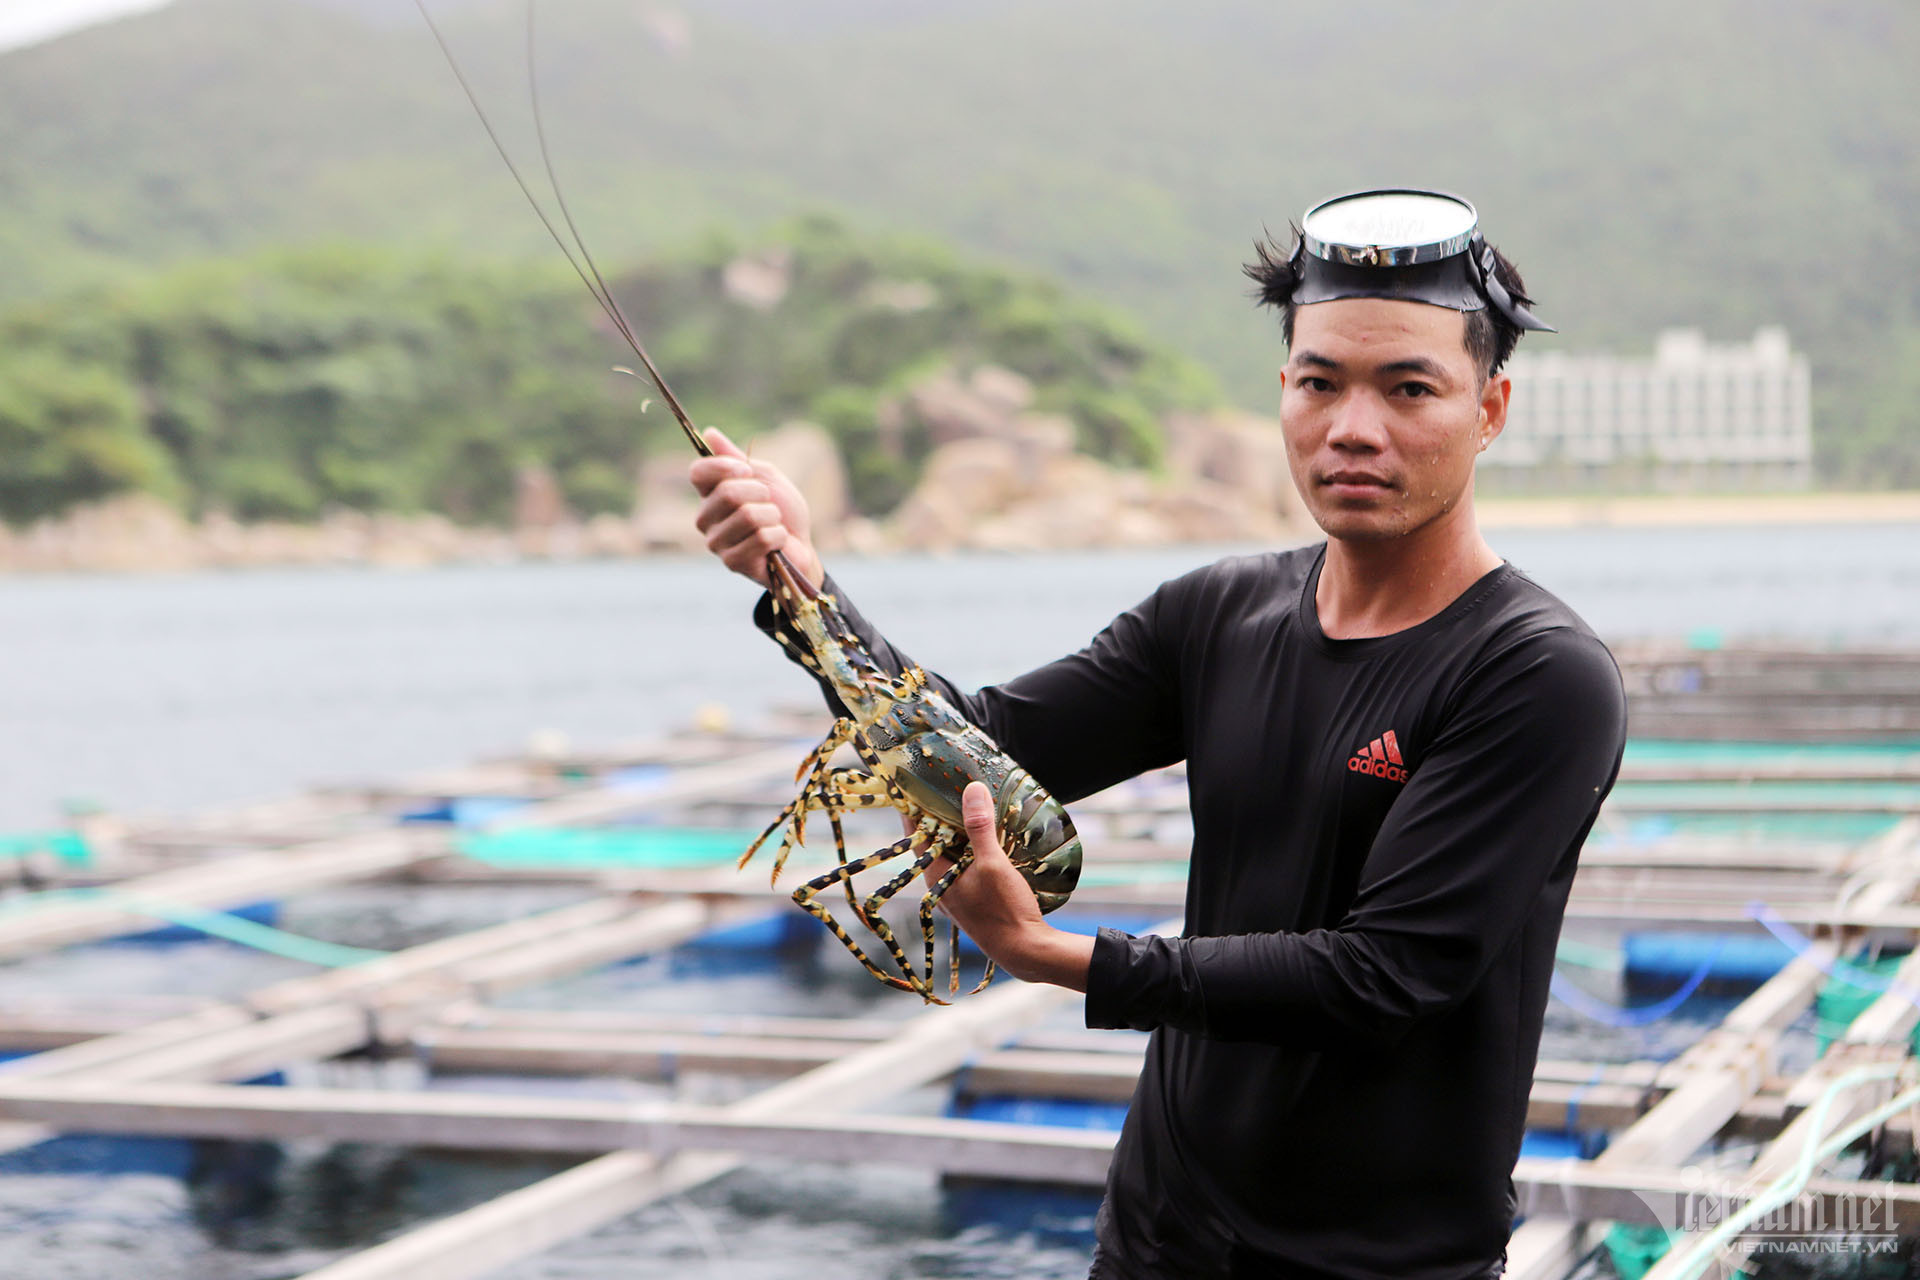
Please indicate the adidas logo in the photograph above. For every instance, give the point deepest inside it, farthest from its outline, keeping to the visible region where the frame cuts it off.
(1380, 759)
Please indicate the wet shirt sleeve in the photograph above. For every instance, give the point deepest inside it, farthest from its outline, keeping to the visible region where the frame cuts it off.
(1501, 802)
(1079, 724)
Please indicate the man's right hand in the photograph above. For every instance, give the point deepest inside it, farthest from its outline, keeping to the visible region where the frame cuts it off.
(749, 510)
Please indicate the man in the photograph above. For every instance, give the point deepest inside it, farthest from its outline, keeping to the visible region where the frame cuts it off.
(1396, 744)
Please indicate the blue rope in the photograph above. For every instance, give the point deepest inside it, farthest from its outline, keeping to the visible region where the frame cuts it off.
(216, 924)
(1591, 1006)
(1774, 923)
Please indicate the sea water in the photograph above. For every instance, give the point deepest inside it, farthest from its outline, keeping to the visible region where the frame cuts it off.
(172, 693)
(167, 694)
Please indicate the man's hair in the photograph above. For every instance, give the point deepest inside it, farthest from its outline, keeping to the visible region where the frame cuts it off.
(1490, 336)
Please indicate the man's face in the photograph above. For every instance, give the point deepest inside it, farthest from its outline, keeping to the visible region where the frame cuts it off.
(1384, 412)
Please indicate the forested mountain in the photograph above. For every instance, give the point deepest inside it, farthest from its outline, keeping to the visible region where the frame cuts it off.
(1719, 163)
(285, 384)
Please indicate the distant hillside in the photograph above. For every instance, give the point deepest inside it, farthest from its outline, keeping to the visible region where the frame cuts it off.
(285, 385)
(1720, 163)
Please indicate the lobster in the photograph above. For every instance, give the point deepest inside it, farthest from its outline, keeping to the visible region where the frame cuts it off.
(920, 752)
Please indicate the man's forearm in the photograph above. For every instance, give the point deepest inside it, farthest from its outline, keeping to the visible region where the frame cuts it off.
(1044, 954)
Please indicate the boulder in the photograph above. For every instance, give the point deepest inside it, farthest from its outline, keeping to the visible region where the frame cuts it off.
(664, 506)
(1001, 388)
(1242, 452)
(538, 502)
(132, 532)
(758, 281)
(612, 536)
(950, 410)
(1201, 511)
(962, 484)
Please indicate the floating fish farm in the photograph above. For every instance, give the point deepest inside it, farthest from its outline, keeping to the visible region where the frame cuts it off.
(1728, 1069)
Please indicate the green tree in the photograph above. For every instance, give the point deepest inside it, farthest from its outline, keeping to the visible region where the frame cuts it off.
(70, 432)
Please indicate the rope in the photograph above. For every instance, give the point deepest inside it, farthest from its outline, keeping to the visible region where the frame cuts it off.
(215, 924)
(1591, 1006)
(1788, 1186)
(1802, 945)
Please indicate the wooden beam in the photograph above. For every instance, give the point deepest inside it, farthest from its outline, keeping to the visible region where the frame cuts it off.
(688, 786)
(1588, 1191)
(1030, 1153)
(517, 1123)
(333, 1013)
(228, 882)
(529, 1221)
(1716, 1077)
(1879, 1035)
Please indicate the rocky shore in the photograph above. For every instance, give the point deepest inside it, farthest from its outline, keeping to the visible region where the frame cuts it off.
(999, 476)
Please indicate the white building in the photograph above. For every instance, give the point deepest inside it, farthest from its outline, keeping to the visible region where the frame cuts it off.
(1698, 414)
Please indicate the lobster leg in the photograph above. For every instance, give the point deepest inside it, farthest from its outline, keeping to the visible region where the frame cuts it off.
(960, 863)
(853, 790)
(871, 759)
(849, 790)
(805, 897)
(814, 767)
(943, 840)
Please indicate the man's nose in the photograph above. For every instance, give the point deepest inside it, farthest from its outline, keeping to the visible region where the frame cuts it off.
(1358, 422)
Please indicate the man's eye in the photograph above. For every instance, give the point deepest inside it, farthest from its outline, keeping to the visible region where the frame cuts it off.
(1311, 383)
(1416, 389)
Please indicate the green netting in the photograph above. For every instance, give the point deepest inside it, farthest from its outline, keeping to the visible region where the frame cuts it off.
(656, 848)
(1125, 873)
(1827, 754)
(68, 846)
(1634, 1248)
(1774, 801)
(1841, 1001)
(1834, 828)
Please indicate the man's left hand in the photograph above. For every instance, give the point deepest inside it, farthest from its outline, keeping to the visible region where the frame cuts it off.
(991, 901)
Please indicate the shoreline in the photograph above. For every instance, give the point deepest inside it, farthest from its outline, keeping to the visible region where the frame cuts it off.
(1598, 511)
(142, 537)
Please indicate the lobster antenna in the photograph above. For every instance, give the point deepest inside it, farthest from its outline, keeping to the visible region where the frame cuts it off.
(605, 293)
(605, 299)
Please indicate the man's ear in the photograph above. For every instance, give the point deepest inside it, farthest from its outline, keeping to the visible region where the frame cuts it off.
(1495, 396)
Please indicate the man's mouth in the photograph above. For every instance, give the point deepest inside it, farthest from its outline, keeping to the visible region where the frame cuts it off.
(1355, 480)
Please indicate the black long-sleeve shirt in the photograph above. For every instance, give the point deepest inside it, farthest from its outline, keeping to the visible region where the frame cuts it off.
(1385, 831)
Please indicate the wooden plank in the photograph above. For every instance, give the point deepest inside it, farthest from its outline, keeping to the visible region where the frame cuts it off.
(1093, 1075)
(1716, 1077)
(1666, 1135)
(240, 879)
(1586, 1190)
(1016, 1152)
(294, 994)
(769, 1027)
(228, 882)
(603, 804)
(35, 1025)
(333, 1013)
(516, 1226)
(1878, 1035)
(518, 1123)
(531, 1220)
